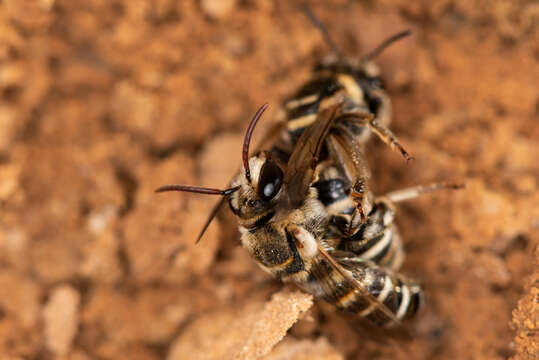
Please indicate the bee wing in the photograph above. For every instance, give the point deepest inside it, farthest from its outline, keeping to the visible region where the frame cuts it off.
(300, 169)
(347, 151)
(361, 289)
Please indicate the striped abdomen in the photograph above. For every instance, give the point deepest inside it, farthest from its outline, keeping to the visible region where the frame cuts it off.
(359, 90)
(399, 295)
(376, 240)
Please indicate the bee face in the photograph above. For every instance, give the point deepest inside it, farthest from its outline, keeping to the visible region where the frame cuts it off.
(258, 197)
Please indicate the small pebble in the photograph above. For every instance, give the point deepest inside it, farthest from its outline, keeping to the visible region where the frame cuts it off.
(60, 316)
(217, 9)
(493, 269)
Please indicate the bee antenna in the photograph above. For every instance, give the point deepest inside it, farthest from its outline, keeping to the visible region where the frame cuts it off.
(210, 218)
(247, 140)
(197, 189)
(200, 190)
(374, 53)
(322, 28)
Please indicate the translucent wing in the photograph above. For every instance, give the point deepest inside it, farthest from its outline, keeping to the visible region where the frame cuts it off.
(300, 169)
(347, 152)
(374, 303)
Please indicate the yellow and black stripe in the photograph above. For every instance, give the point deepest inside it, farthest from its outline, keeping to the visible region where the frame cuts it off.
(360, 91)
(374, 249)
(400, 296)
(376, 240)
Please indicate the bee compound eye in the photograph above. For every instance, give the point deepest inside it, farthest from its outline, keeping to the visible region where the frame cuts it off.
(271, 178)
(269, 189)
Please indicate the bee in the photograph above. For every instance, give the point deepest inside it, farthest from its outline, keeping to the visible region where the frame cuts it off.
(304, 208)
(343, 184)
(283, 226)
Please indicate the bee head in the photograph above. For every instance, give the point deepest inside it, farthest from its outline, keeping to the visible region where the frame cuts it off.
(259, 182)
(259, 193)
(254, 191)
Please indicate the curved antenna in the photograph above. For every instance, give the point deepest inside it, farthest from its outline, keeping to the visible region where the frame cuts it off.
(247, 140)
(322, 28)
(374, 53)
(210, 218)
(196, 189)
(200, 190)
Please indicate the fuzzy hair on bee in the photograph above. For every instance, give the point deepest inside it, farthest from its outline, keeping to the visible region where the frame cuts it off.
(305, 211)
(284, 225)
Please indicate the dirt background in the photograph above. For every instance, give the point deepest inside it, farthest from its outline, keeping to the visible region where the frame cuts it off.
(102, 101)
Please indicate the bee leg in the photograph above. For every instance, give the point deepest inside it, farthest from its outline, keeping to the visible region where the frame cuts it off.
(357, 194)
(416, 191)
(347, 153)
(305, 242)
(377, 124)
(388, 137)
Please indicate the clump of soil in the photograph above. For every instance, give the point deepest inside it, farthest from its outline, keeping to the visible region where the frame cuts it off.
(103, 101)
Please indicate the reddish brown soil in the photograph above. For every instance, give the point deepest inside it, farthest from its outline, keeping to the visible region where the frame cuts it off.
(103, 101)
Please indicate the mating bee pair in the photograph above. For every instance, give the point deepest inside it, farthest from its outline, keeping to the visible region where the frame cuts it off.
(304, 207)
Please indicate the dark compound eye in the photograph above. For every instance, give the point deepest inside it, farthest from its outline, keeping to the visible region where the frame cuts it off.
(270, 180)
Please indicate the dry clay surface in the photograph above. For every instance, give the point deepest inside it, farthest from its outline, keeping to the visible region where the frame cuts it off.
(103, 101)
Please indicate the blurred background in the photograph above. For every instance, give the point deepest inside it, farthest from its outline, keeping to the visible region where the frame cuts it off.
(102, 101)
